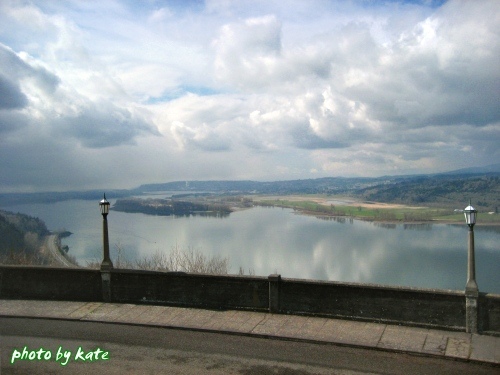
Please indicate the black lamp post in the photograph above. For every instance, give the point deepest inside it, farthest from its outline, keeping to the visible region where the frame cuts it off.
(471, 289)
(106, 262)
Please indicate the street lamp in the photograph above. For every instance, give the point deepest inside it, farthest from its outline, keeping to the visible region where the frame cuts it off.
(106, 264)
(470, 214)
(471, 289)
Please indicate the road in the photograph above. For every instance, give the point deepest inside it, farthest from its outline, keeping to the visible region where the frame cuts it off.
(53, 249)
(150, 350)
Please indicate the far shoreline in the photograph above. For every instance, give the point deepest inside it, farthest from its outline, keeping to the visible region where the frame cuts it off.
(373, 220)
(348, 203)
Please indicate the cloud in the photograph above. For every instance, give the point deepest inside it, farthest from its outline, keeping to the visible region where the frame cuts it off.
(203, 137)
(285, 89)
(20, 85)
(423, 78)
(11, 96)
(248, 52)
(11, 120)
(104, 124)
(438, 72)
(66, 109)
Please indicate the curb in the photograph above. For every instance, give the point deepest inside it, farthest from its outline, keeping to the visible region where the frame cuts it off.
(261, 336)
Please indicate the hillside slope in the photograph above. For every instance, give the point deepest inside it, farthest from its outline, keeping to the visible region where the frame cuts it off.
(452, 191)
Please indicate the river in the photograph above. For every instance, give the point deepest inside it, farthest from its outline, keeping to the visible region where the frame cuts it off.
(270, 240)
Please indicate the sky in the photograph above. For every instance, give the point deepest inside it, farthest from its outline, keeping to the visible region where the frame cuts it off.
(115, 94)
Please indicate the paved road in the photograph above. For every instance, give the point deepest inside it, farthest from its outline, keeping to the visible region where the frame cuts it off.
(154, 350)
(53, 249)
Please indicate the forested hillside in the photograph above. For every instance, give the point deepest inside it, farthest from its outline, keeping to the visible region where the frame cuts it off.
(20, 238)
(442, 190)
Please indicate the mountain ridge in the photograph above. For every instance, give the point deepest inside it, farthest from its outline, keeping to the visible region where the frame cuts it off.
(481, 184)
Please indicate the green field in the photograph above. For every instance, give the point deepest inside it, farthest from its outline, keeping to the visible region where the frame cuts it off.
(364, 212)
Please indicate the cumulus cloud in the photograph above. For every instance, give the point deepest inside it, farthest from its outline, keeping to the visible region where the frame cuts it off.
(11, 96)
(248, 52)
(20, 84)
(302, 88)
(103, 124)
(347, 89)
(427, 78)
(95, 119)
(203, 137)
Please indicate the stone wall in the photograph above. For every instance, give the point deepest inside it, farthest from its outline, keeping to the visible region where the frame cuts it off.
(67, 284)
(373, 302)
(489, 313)
(196, 290)
(398, 305)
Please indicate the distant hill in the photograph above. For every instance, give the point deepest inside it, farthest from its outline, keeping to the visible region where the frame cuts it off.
(492, 168)
(450, 189)
(308, 186)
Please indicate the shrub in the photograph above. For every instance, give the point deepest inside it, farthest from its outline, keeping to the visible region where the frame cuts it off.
(184, 260)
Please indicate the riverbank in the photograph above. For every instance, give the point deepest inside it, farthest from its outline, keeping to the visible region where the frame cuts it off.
(346, 207)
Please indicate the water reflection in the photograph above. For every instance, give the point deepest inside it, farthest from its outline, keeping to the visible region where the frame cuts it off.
(269, 240)
(337, 219)
(209, 214)
(487, 228)
(420, 226)
(385, 225)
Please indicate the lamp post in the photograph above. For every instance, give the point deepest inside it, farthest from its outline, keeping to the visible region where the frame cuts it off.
(471, 289)
(106, 264)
